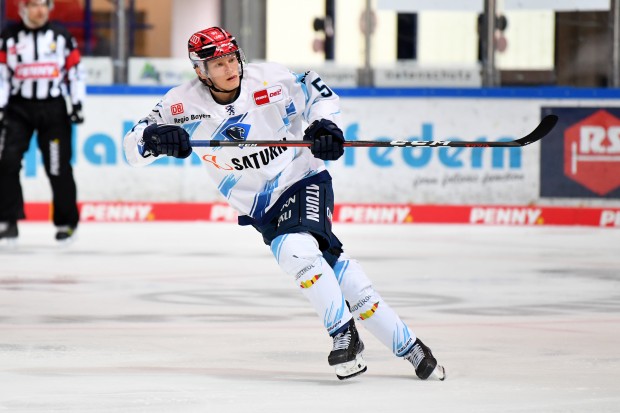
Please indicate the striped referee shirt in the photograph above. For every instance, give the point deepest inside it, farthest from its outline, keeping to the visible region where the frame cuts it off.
(39, 64)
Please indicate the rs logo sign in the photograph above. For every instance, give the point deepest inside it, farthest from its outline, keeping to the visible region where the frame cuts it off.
(592, 152)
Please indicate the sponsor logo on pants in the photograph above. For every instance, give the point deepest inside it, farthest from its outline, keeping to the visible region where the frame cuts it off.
(313, 202)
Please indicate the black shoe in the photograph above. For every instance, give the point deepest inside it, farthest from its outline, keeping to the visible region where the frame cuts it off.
(9, 231)
(65, 233)
(346, 354)
(423, 361)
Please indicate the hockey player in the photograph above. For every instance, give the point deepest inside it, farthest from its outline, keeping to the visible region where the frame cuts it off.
(284, 193)
(39, 61)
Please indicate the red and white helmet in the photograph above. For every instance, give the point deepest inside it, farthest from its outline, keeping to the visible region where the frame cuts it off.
(212, 43)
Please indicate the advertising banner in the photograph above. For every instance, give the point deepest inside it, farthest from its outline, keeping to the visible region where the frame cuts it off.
(581, 157)
(575, 166)
(159, 71)
(359, 213)
(404, 75)
(443, 175)
(98, 70)
(379, 175)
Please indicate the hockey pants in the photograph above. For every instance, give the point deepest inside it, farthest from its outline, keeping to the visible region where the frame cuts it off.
(328, 288)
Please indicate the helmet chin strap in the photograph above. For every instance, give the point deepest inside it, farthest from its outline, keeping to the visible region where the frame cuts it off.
(209, 83)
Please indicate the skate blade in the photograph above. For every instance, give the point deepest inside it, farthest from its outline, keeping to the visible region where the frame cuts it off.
(64, 243)
(439, 373)
(351, 368)
(9, 243)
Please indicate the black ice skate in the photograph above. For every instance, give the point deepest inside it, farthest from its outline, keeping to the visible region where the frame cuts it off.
(424, 363)
(9, 232)
(346, 355)
(65, 234)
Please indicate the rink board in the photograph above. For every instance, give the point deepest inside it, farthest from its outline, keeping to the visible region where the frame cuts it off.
(349, 213)
(577, 166)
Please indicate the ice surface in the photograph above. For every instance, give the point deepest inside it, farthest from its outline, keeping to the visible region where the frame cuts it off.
(197, 317)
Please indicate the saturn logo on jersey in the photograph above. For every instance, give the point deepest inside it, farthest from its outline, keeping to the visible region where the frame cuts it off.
(213, 160)
(269, 95)
(257, 159)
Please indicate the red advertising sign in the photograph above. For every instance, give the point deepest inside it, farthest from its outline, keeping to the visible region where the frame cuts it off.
(592, 152)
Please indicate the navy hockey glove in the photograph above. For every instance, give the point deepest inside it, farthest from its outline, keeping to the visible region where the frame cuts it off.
(327, 140)
(76, 114)
(168, 140)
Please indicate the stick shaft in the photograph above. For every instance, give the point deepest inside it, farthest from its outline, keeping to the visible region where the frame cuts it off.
(545, 126)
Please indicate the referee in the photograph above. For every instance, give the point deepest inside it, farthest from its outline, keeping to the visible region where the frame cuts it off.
(39, 71)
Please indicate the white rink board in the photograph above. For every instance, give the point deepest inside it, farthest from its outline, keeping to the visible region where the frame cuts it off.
(438, 175)
(380, 175)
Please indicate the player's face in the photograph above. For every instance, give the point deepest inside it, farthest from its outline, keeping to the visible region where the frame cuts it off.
(224, 72)
(37, 12)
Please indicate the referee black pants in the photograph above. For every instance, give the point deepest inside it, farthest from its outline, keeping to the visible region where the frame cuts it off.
(50, 120)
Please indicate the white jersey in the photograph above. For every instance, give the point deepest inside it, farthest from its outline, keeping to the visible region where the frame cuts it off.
(273, 104)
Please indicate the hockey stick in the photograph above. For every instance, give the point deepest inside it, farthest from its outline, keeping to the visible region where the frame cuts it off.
(543, 128)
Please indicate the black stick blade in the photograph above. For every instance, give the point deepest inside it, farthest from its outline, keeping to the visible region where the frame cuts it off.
(544, 127)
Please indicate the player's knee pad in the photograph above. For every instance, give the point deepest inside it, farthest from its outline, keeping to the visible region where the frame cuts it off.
(295, 252)
(351, 277)
(299, 256)
(356, 287)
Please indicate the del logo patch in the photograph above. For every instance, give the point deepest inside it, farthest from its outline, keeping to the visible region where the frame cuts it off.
(582, 158)
(269, 95)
